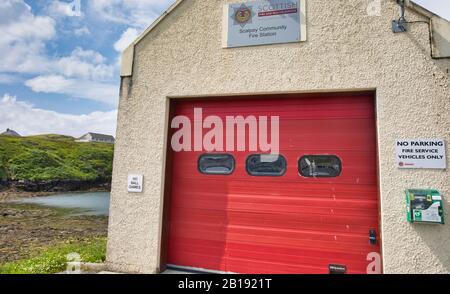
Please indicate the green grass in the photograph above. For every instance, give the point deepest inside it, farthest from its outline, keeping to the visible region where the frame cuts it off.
(54, 157)
(54, 259)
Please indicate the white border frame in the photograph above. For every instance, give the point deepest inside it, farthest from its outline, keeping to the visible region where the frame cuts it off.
(225, 24)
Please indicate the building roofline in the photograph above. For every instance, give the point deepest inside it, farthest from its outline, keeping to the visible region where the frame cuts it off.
(422, 10)
(158, 20)
(102, 135)
(98, 135)
(128, 54)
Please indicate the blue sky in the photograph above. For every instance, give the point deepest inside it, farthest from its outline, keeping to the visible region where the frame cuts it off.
(59, 69)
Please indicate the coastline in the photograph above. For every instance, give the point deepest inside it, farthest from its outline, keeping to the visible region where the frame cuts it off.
(12, 194)
(27, 230)
(10, 190)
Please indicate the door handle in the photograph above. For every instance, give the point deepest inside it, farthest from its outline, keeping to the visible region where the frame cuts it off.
(373, 237)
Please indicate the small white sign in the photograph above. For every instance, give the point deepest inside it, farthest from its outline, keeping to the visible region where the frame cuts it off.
(425, 154)
(264, 22)
(135, 183)
(432, 214)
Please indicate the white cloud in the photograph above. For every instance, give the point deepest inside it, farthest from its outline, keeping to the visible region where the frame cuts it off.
(49, 84)
(86, 64)
(23, 37)
(82, 74)
(64, 9)
(18, 22)
(28, 120)
(88, 55)
(22, 47)
(83, 31)
(58, 8)
(126, 39)
(9, 79)
(135, 13)
(85, 89)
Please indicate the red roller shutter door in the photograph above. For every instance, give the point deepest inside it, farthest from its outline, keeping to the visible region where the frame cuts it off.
(289, 224)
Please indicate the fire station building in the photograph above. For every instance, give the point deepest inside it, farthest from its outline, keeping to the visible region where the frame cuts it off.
(353, 97)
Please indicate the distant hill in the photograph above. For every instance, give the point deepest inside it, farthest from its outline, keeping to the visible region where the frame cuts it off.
(54, 157)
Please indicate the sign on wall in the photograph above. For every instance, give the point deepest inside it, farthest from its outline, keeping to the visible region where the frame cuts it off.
(264, 22)
(135, 183)
(426, 154)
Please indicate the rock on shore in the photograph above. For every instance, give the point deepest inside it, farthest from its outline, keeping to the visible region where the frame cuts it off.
(55, 185)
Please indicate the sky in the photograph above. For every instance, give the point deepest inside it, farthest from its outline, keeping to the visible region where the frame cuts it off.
(439, 7)
(60, 61)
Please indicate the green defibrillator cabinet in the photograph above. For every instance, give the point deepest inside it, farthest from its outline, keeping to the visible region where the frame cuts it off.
(424, 206)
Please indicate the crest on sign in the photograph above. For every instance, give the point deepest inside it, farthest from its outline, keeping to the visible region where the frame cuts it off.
(242, 15)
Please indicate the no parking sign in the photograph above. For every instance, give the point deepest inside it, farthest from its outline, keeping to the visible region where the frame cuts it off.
(424, 154)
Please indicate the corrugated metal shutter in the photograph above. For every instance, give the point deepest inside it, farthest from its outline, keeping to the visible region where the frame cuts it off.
(289, 224)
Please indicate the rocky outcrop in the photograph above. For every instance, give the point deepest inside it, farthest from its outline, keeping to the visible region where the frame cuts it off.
(56, 185)
(4, 185)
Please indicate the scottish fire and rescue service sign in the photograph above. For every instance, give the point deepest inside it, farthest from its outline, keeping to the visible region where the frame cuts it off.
(264, 22)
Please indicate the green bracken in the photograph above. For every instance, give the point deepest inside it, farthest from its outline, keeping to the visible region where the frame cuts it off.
(54, 157)
(54, 259)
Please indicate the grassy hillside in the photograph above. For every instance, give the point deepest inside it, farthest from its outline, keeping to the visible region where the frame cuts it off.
(54, 157)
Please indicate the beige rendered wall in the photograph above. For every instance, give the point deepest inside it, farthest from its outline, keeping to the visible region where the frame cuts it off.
(346, 50)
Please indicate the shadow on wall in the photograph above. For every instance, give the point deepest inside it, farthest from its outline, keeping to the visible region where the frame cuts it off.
(444, 42)
(443, 63)
(436, 237)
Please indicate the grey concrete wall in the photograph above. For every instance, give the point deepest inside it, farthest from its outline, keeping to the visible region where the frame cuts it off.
(346, 49)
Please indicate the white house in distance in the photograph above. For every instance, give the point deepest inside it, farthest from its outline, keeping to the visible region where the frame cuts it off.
(10, 133)
(96, 138)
